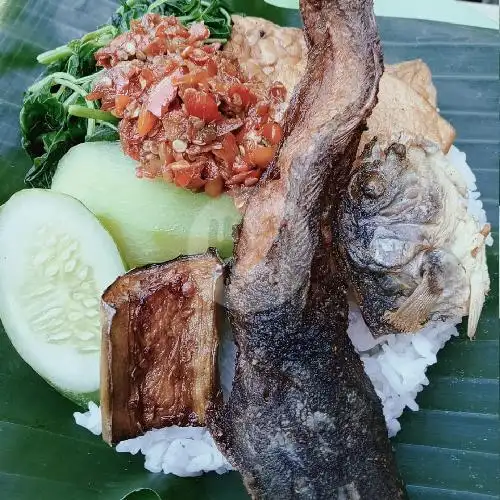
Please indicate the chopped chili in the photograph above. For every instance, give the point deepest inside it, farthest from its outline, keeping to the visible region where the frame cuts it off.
(188, 113)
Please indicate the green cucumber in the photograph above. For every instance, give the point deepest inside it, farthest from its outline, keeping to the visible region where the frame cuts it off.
(150, 221)
(55, 261)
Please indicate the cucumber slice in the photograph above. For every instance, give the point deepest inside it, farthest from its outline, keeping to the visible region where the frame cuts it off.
(55, 262)
(150, 221)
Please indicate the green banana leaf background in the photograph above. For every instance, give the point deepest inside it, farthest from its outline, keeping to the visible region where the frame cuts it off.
(447, 450)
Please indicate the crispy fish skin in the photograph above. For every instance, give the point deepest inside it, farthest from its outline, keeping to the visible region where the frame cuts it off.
(303, 419)
(414, 253)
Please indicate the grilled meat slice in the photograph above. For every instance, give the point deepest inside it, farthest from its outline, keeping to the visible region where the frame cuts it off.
(159, 345)
(303, 419)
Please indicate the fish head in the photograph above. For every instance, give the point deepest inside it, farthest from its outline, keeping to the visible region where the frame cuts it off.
(373, 187)
(407, 237)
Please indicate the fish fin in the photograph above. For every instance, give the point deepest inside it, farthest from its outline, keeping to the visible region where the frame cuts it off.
(478, 289)
(477, 297)
(414, 311)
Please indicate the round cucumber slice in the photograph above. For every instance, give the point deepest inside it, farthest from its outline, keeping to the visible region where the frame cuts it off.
(55, 262)
(150, 221)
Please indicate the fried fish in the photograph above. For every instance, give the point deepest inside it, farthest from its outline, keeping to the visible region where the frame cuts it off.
(414, 253)
(303, 419)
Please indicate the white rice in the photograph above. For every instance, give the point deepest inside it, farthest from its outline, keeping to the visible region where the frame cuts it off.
(396, 365)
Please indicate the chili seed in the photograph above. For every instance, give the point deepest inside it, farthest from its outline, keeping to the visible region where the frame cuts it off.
(179, 146)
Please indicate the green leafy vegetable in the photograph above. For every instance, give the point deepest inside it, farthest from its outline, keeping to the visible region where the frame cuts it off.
(213, 13)
(51, 122)
(55, 115)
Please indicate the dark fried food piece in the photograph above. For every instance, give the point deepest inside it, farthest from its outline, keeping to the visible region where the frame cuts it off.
(303, 419)
(414, 252)
(159, 346)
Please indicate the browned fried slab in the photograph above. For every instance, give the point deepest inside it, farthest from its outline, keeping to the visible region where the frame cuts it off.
(418, 76)
(159, 345)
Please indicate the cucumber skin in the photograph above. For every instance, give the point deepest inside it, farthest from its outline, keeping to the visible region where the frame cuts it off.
(80, 399)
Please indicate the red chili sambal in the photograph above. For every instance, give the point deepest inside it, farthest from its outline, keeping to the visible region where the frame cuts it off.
(188, 114)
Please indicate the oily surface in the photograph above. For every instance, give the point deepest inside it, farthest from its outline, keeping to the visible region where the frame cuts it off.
(159, 347)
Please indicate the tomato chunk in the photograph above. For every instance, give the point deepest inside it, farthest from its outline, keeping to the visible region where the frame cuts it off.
(121, 102)
(261, 156)
(229, 149)
(145, 122)
(193, 78)
(272, 133)
(242, 94)
(201, 105)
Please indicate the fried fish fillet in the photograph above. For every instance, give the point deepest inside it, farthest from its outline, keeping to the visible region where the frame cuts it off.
(407, 100)
(303, 420)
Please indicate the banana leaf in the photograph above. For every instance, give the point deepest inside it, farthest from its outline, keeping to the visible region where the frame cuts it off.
(447, 450)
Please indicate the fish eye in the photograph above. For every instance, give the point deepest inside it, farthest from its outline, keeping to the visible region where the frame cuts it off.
(373, 186)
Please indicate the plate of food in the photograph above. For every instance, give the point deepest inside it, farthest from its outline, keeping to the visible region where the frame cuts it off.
(247, 251)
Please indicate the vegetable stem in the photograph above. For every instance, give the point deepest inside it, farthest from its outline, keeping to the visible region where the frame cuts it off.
(71, 99)
(95, 114)
(71, 85)
(53, 55)
(50, 79)
(95, 34)
(156, 4)
(226, 14)
(108, 124)
(89, 78)
(214, 40)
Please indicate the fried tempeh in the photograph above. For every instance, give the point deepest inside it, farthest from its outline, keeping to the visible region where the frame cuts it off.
(159, 345)
(407, 97)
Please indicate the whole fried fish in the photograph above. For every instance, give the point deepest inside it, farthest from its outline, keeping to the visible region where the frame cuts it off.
(414, 253)
(303, 419)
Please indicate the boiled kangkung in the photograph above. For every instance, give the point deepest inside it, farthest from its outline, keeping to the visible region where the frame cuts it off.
(303, 419)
